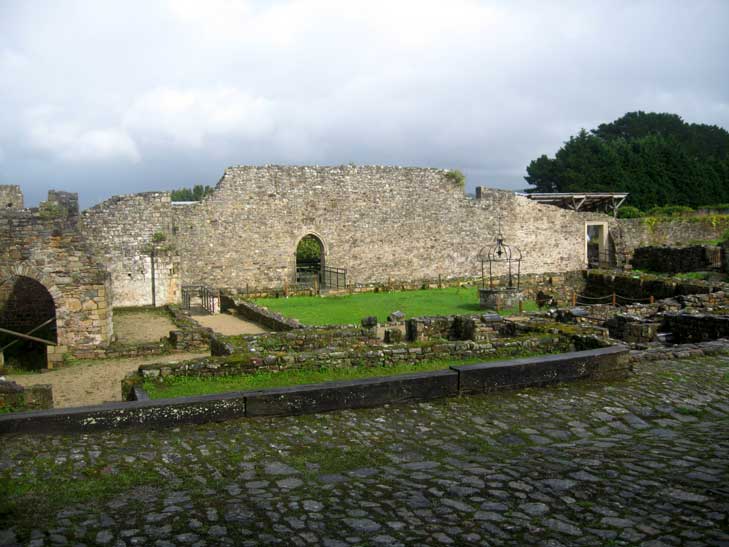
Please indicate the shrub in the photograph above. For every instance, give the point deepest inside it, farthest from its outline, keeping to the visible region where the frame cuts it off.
(628, 211)
(158, 237)
(456, 177)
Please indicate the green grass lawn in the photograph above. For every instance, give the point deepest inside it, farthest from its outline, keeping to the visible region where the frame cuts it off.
(184, 386)
(350, 309)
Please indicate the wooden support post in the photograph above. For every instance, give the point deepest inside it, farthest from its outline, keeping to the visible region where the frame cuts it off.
(521, 307)
(615, 299)
(574, 299)
(653, 300)
(26, 337)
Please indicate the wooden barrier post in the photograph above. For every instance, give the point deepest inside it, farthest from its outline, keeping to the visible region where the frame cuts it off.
(615, 299)
(653, 300)
(574, 298)
(521, 307)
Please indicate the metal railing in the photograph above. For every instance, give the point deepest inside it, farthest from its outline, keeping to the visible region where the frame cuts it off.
(207, 298)
(334, 278)
(312, 276)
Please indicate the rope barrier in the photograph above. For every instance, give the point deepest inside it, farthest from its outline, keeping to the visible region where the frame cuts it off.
(626, 299)
(594, 297)
(629, 299)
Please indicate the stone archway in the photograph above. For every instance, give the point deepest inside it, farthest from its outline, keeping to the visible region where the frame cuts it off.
(26, 306)
(310, 260)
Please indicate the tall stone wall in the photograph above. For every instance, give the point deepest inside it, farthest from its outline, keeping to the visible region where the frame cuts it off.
(124, 232)
(45, 245)
(379, 223)
(10, 197)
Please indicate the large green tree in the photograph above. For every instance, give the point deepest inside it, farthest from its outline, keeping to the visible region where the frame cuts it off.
(656, 157)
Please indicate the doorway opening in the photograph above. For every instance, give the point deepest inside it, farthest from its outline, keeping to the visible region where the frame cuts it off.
(309, 261)
(28, 312)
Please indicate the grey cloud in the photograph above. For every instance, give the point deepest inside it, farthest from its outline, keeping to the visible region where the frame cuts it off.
(106, 98)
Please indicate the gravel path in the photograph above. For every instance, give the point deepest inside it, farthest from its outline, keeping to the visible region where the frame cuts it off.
(141, 327)
(639, 462)
(229, 325)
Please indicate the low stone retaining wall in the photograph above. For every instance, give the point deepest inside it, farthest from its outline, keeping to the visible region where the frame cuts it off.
(457, 327)
(633, 330)
(189, 335)
(603, 364)
(680, 351)
(16, 397)
(602, 284)
(695, 328)
(597, 364)
(305, 339)
(258, 314)
(695, 258)
(386, 356)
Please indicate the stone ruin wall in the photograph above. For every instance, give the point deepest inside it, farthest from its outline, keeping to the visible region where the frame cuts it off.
(11, 197)
(379, 223)
(122, 231)
(644, 232)
(45, 245)
(382, 224)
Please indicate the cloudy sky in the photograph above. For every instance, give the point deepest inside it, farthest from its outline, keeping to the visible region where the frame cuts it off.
(111, 97)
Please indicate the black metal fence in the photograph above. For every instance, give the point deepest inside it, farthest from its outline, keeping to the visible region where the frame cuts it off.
(194, 296)
(334, 278)
(312, 276)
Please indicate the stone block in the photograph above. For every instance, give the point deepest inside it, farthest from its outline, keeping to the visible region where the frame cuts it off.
(393, 336)
(543, 370)
(352, 394)
(396, 316)
(369, 321)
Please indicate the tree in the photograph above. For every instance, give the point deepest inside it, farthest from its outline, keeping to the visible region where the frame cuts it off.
(656, 157)
(196, 193)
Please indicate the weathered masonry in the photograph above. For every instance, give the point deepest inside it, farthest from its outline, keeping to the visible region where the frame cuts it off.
(49, 276)
(377, 223)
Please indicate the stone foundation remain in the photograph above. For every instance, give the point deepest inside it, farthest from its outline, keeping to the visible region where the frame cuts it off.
(597, 364)
(14, 397)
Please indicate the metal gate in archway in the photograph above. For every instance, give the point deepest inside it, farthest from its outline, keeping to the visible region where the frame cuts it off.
(317, 277)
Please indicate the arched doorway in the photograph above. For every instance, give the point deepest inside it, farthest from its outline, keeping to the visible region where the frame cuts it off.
(28, 308)
(310, 261)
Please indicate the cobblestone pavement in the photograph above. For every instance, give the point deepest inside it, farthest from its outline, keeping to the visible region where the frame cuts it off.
(639, 462)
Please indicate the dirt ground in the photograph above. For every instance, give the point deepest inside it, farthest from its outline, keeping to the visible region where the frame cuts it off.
(136, 328)
(93, 382)
(229, 325)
